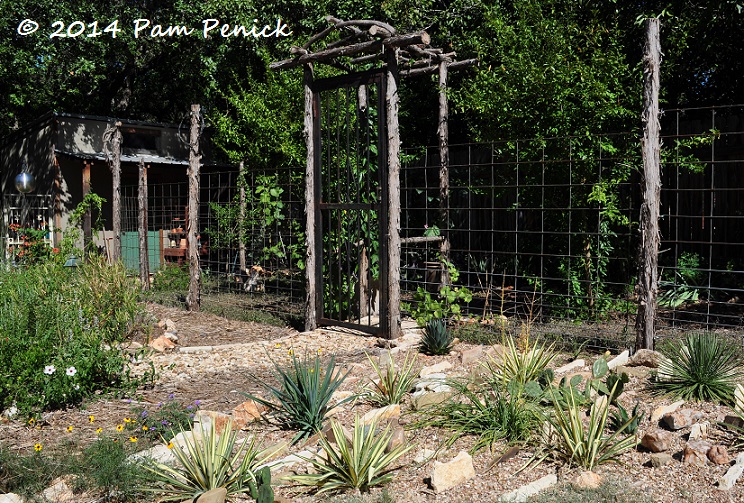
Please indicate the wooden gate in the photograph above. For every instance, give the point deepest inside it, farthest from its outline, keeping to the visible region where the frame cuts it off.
(350, 195)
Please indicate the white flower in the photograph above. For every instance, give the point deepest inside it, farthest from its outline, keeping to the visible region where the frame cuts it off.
(71, 371)
(50, 369)
(77, 387)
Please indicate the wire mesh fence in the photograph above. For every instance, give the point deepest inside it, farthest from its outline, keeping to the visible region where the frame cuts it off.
(544, 229)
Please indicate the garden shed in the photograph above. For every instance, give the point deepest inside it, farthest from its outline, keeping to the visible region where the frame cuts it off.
(65, 153)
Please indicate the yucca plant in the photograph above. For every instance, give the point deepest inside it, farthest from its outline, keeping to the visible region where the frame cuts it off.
(207, 461)
(303, 395)
(700, 367)
(521, 363)
(358, 465)
(577, 444)
(437, 338)
(391, 384)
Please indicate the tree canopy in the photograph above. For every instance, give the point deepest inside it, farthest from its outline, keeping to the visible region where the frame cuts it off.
(547, 67)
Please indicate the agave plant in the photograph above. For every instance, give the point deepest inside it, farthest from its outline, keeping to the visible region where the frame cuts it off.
(303, 395)
(359, 465)
(700, 367)
(437, 339)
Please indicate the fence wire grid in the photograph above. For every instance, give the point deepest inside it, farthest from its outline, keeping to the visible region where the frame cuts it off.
(545, 229)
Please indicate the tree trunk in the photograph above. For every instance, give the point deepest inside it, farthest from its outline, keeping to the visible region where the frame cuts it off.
(193, 299)
(647, 286)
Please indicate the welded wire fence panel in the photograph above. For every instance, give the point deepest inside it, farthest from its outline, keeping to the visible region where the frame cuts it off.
(260, 280)
(548, 228)
(702, 255)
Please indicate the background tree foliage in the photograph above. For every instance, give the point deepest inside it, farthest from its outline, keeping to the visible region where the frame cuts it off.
(548, 67)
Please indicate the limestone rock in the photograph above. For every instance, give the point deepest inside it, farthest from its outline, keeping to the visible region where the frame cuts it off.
(382, 414)
(246, 413)
(659, 459)
(696, 453)
(397, 439)
(329, 434)
(217, 495)
(10, 498)
(469, 356)
(159, 453)
(621, 359)
(59, 492)
(681, 418)
(699, 431)
(445, 476)
(732, 475)
(171, 336)
(661, 411)
(424, 456)
(645, 358)
(424, 400)
(576, 364)
(657, 440)
(718, 455)
(524, 492)
(209, 419)
(587, 480)
(639, 372)
(162, 344)
(437, 368)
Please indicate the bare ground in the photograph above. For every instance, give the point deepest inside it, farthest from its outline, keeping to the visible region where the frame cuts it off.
(241, 360)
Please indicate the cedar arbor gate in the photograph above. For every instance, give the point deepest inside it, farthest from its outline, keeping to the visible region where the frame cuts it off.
(352, 180)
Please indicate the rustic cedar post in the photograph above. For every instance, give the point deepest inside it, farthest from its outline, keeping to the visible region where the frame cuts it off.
(193, 299)
(443, 133)
(647, 286)
(241, 217)
(311, 299)
(144, 259)
(391, 330)
(87, 230)
(116, 187)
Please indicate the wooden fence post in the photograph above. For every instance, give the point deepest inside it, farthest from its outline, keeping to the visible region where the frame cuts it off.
(391, 330)
(648, 284)
(87, 220)
(241, 219)
(311, 299)
(193, 299)
(116, 140)
(144, 259)
(443, 133)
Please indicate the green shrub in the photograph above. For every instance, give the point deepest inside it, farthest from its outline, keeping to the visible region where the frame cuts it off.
(700, 367)
(104, 468)
(303, 395)
(359, 465)
(153, 422)
(489, 414)
(58, 331)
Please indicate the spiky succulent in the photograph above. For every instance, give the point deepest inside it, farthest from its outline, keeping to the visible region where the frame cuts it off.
(437, 339)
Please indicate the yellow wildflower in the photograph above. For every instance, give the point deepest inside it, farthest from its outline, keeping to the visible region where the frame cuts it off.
(119, 427)
(132, 439)
(70, 428)
(91, 418)
(99, 430)
(37, 447)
